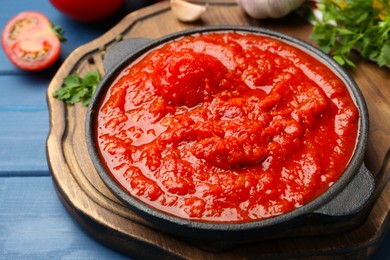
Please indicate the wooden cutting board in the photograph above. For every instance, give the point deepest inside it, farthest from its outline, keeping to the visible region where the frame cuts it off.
(109, 221)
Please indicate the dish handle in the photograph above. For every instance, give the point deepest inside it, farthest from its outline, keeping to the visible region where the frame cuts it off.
(353, 199)
(122, 50)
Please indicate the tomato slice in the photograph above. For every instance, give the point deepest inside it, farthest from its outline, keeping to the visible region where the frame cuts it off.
(29, 41)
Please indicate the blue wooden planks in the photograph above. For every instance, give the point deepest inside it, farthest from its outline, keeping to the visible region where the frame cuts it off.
(22, 142)
(35, 225)
(24, 125)
(26, 92)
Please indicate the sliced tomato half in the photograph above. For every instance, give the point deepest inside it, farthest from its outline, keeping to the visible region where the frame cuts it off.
(30, 42)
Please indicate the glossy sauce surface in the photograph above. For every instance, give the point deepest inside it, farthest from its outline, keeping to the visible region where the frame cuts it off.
(226, 127)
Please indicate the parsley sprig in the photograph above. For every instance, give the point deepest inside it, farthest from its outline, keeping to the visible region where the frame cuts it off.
(362, 25)
(76, 89)
(59, 32)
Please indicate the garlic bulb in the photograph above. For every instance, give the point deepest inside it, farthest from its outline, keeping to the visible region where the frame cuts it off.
(186, 11)
(260, 9)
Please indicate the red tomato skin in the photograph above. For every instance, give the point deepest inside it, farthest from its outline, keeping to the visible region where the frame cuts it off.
(39, 32)
(87, 10)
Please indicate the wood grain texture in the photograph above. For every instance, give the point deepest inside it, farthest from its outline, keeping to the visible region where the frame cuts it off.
(109, 221)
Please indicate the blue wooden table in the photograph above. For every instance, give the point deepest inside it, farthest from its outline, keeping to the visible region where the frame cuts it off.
(33, 222)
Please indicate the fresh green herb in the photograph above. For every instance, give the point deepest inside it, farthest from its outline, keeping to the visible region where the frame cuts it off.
(59, 32)
(76, 89)
(362, 25)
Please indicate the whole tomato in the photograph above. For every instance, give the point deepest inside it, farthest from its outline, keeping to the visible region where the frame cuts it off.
(87, 10)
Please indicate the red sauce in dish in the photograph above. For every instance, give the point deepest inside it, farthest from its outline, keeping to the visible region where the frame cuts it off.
(227, 127)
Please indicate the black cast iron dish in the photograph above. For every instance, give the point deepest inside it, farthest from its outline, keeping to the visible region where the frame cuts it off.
(347, 197)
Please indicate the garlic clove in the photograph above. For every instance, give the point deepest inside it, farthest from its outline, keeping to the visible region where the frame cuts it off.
(260, 9)
(186, 11)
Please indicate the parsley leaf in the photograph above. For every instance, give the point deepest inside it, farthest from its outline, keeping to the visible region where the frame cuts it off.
(347, 25)
(76, 89)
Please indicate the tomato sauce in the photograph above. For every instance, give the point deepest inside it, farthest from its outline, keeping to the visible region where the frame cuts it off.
(227, 127)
